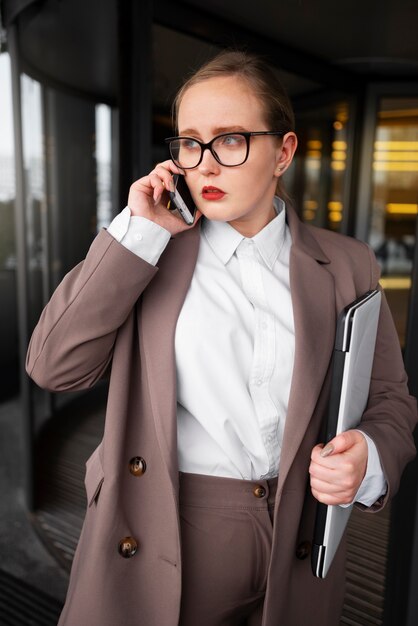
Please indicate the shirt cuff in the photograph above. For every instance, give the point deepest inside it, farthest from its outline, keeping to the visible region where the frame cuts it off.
(140, 235)
(374, 483)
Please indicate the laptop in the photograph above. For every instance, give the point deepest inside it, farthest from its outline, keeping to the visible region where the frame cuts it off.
(351, 371)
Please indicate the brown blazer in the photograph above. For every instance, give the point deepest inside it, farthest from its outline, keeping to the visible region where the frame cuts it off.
(116, 309)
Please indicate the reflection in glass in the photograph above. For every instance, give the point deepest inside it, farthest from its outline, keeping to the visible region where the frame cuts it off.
(322, 171)
(103, 165)
(395, 200)
(35, 200)
(8, 289)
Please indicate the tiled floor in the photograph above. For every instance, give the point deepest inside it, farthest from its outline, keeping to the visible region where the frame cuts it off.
(24, 559)
(24, 605)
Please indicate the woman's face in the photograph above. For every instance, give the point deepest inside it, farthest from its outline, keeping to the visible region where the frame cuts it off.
(221, 105)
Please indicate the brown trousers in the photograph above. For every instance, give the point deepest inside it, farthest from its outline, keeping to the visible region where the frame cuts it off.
(226, 532)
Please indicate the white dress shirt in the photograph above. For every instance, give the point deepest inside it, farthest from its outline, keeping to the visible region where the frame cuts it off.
(234, 349)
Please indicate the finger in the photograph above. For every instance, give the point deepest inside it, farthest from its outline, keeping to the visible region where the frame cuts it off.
(168, 166)
(345, 475)
(342, 443)
(335, 482)
(158, 186)
(332, 499)
(165, 176)
(328, 461)
(329, 488)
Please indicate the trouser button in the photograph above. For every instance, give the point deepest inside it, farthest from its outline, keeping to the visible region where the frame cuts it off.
(259, 491)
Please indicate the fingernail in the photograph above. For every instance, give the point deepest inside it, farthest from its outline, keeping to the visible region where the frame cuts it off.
(329, 449)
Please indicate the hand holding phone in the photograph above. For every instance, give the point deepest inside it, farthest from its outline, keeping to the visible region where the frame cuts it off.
(149, 196)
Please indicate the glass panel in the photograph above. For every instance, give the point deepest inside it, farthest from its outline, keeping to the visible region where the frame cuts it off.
(319, 176)
(103, 165)
(395, 200)
(8, 288)
(33, 164)
(72, 175)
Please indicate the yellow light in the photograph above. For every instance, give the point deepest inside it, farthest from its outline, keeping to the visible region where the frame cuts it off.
(396, 156)
(339, 145)
(310, 204)
(342, 115)
(395, 167)
(396, 145)
(337, 165)
(308, 215)
(338, 126)
(313, 164)
(395, 282)
(398, 113)
(338, 155)
(314, 144)
(315, 154)
(334, 216)
(402, 209)
(335, 206)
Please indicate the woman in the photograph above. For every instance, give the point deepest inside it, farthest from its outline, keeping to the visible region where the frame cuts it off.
(219, 336)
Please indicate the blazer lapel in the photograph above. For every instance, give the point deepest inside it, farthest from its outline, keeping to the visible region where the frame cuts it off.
(161, 305)
(313, 298)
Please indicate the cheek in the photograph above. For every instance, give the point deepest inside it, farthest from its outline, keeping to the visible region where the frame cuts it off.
(257, 177)
(192, 185)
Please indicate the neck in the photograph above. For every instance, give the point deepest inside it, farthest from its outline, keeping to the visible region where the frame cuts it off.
(251, 227)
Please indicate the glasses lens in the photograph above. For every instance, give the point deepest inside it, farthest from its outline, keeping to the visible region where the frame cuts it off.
(185, 152)
(230, 149)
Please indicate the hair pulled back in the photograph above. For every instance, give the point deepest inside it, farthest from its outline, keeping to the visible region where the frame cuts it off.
(260, 78)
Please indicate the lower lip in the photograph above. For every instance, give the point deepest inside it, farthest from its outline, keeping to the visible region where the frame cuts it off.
(213, 195)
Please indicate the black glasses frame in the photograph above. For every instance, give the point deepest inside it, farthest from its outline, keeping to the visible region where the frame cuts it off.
(208, 146)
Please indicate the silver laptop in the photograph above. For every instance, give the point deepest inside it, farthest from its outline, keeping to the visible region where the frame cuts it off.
(351, 370)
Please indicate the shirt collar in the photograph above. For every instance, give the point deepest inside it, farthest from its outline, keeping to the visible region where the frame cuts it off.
(224, 239)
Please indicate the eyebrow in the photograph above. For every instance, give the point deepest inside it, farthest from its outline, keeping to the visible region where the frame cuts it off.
(216, 131)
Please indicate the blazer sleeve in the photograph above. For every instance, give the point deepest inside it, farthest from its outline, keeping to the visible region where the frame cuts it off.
(72, 344)
(391, 412)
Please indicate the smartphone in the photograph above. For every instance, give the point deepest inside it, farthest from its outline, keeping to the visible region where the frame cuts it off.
(182, 200)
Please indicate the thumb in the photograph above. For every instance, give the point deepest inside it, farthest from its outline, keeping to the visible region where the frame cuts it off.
(341, 443)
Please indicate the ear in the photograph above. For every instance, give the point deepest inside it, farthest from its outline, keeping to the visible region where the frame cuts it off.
(285, 153)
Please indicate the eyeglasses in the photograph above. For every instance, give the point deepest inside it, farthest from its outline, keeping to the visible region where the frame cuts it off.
(229, 149)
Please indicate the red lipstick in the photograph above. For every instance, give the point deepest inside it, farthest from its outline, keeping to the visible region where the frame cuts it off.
(212, 193)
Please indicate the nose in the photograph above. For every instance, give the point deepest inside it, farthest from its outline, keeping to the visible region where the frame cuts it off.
(208, 164)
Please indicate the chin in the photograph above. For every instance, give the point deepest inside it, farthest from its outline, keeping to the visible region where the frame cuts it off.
(216, 213)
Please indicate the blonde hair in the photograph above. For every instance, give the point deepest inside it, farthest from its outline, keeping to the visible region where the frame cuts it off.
(278, 111)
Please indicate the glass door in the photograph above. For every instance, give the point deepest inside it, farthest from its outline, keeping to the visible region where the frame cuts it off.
(394, 205)
(319, 178)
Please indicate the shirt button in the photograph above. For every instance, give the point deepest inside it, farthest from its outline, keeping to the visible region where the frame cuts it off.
(259, 491)
(258, 382)
(138, 237)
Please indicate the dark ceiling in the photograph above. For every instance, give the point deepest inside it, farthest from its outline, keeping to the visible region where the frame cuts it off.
(320, 43)
(369, 32)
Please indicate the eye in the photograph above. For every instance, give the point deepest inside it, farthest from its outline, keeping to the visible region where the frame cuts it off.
(231, 141)
(189, 144)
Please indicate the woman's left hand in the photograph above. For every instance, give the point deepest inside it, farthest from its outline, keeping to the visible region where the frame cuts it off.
(338, 469)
